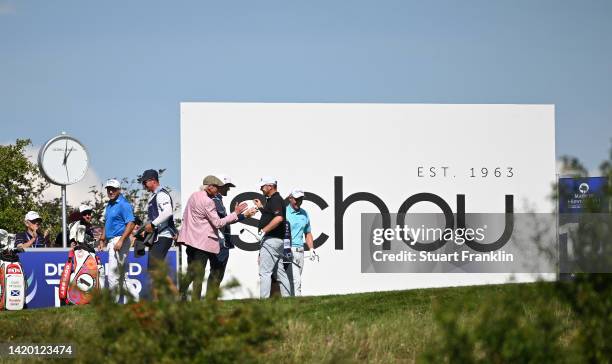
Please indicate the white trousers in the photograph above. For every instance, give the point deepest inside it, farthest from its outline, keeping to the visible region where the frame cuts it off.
(296, 271)
(116, 272)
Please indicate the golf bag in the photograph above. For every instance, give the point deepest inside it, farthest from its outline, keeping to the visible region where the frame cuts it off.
(12, 280)
(143, 239)
(287, 254)
(83, 273)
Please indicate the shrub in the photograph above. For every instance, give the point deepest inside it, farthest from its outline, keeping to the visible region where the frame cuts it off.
(168, 330)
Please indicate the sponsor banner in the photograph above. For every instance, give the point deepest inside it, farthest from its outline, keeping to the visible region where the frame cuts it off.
(581, 199)
(578, 195)
(43, 267)
(354, 159)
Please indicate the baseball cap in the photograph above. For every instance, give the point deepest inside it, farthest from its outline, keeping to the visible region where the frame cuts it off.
(32, 215)
(149, 174)
(227, 180)
(112, 183)
(297, 193)
(267, 180)
(212, 180)
(84, 208)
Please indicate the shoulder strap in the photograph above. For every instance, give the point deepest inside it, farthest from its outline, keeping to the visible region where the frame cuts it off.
(167, 193)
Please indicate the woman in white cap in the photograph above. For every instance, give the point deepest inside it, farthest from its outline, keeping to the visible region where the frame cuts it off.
(32, 237)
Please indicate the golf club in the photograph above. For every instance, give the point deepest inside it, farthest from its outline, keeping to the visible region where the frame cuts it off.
(284, 261)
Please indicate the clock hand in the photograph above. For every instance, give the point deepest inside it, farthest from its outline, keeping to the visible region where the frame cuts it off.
(67, 155)
(65, 151)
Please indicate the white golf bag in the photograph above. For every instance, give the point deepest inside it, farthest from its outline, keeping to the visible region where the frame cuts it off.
(12, 280)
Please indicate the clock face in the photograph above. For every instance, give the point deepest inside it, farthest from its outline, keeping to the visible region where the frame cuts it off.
(63, 160)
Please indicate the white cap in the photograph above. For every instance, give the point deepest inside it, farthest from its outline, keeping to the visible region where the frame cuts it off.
(297, 193)
(267, 180)
(227, 180)
(32, 215)
(84, 208)
(112, 183)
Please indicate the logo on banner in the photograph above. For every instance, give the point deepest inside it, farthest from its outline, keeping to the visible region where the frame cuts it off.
(31, 287)
(342, 203)
(583, 188)
(15, 293)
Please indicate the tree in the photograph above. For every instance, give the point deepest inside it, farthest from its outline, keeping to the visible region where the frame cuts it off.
(21, 188)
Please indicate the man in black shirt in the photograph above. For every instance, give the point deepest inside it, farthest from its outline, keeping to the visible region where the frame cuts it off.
(272, 232)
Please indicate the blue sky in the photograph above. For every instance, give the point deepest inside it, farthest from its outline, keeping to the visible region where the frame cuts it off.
(113, 73)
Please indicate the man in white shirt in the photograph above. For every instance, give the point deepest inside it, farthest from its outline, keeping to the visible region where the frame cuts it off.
(161, 219)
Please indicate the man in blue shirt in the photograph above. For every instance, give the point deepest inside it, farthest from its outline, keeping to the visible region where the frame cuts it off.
(118, 226)
(300, 229)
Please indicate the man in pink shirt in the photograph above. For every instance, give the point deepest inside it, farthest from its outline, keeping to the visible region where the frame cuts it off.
(200, 232)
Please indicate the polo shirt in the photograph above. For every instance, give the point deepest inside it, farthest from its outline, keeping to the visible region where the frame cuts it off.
(300, 225)
(118, 214)
(24, 237)
(275, 206)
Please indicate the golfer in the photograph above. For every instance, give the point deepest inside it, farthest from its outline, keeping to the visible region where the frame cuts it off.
(272, 232)
(300, 229)
(118, 226)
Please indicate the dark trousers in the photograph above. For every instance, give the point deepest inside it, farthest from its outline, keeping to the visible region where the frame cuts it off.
(157, 255)
(196, 265)
(218, 263)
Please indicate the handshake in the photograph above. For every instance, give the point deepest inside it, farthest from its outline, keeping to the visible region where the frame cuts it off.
(247, 208)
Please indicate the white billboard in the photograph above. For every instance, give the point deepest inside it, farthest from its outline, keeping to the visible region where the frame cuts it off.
(346, 156)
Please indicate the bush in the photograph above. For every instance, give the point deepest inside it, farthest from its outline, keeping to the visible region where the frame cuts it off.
(590, 298)
(504, 329)
(170, 331)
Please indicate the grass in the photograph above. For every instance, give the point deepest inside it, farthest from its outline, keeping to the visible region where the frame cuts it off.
(381, 327)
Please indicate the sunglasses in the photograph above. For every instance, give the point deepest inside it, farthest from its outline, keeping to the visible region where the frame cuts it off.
(147, 180)
(36, 222)
(86, 213)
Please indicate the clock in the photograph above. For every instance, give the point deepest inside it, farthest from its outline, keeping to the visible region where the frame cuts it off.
(63, 160)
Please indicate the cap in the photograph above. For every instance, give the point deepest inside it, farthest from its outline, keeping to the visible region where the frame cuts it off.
(227, 180)
(32, 215)
(297, 193)
(267, 180)
(149, 174)
(112, 183)
(212, 180)
(84, 208)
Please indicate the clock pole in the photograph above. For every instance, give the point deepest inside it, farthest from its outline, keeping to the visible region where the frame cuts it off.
(64, 225)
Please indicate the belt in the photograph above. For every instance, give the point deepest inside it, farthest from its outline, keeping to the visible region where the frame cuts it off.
(297, 250)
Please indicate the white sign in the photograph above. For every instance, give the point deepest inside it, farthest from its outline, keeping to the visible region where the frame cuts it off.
(382, 152)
